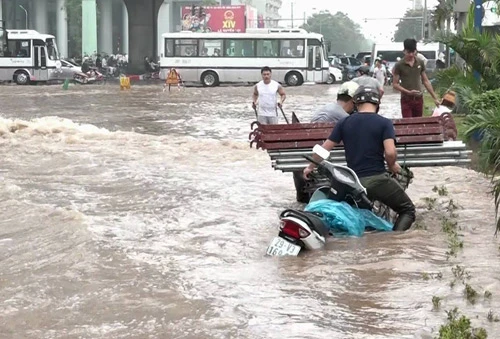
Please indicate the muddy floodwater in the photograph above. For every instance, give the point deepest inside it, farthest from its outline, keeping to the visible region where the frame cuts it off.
(143, 214)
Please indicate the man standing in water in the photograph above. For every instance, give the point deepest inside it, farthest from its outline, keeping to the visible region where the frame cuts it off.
(265, 95)
(411, 71)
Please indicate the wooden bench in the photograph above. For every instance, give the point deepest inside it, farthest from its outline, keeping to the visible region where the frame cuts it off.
(421, 142)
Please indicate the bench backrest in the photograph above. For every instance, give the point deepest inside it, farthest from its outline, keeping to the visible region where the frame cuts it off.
(304, 135)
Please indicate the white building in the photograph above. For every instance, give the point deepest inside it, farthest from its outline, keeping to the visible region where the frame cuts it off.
(268, 9)
(417, 4)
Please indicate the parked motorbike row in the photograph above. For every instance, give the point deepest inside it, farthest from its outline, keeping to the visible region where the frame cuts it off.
(97, 68)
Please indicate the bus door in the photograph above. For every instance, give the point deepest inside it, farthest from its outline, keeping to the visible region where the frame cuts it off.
(314, 61)
(40, 61)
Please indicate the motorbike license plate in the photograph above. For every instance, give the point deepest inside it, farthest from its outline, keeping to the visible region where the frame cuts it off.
(281, 247)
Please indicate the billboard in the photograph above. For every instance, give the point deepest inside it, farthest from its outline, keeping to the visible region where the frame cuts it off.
(227, 19)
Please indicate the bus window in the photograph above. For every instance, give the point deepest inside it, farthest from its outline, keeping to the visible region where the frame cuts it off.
(211, 47)
(267, 48)
(431, 55)
(239, 48)
(19, 48)
(186, 47)
(169, 47)
(52, 50)
(292, 48)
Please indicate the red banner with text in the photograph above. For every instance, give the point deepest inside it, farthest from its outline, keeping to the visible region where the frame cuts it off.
(227, 19)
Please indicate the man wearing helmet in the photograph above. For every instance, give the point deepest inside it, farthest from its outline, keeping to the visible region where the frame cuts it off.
(369, 141)
(338, 110)
(329, 113)
(364, 79)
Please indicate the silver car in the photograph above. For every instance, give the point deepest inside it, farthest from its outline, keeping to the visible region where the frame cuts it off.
(67, 71)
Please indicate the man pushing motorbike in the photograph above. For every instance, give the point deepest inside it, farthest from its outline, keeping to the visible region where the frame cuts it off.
(369, 140)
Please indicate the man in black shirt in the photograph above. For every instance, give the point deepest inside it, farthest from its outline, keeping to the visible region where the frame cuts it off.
(369, 142)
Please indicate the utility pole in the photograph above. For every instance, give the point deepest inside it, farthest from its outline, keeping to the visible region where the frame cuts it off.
(424, 20)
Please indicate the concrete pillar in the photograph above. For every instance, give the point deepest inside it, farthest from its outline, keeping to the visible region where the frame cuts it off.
(62, 27)
(40, 14)
(124, 40)
(164, 24)
(143, 30)
(105, 37)
(89, 27)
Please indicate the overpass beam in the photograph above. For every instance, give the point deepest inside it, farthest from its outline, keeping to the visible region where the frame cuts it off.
(124, 41)
(62, 27)
(40, 8)
(105, 37)
(143, 27)
(89, 27)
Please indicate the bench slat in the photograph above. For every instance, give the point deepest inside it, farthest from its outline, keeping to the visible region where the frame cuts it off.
(324, 134)
(418, 139)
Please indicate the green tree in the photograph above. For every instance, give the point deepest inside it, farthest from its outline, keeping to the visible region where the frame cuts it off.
(344, 34)
(480, 52)
(410, 26)
(443, 13)
(210, 3)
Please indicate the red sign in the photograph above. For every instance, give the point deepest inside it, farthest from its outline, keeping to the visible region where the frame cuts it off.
(227, 19)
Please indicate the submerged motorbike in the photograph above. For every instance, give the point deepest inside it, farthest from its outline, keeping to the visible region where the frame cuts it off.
(90, 77)
(300, 230)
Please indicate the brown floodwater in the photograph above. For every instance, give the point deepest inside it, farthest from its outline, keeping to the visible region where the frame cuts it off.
(143, 214)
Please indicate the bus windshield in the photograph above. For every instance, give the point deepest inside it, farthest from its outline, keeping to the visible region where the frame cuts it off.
(52, 49)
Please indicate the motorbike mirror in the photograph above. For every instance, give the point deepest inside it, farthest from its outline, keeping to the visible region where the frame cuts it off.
(323, 153)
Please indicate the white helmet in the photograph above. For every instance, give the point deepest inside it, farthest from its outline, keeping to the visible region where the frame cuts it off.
(348, 88)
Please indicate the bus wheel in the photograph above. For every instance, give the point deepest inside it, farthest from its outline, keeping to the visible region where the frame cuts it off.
(209, 79)
(331, 79)
(22, 78)
(294, 79)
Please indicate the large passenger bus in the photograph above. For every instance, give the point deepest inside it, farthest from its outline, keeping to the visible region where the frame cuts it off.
(27, 56)
(294, 55)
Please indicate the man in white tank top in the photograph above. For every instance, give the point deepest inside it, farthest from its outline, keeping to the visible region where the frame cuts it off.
(265, 96)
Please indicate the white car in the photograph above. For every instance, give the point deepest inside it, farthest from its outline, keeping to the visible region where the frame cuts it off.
(335, 75)
(67, 71)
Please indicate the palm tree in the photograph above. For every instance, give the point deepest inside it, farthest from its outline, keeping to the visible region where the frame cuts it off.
(443, 13)
(480, 95)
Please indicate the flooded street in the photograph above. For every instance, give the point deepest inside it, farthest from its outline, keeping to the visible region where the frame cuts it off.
(143, 214)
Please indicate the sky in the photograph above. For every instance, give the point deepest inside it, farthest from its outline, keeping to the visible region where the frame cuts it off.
(381, 29)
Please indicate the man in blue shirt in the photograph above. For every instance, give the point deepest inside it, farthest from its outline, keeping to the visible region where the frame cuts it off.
(369, 142)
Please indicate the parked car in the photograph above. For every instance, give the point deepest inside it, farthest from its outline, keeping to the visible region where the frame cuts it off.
(350, 66)
(335, 75)
(68, 71)
(361, 55)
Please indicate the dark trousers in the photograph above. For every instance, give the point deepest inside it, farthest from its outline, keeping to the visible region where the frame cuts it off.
(412, 106)
(388, 191)
(300, 184)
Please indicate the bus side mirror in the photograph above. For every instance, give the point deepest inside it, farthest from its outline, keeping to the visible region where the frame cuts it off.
(328, 46)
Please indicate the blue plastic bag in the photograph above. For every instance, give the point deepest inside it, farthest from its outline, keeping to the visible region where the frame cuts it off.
(345, 220)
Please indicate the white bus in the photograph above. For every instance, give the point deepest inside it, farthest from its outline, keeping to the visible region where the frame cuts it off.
(390, 52)
(295, 56)
(27, 56)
